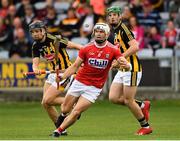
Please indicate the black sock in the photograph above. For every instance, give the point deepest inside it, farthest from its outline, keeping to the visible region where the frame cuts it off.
(60, 120)
(143, 122)
(139, 102)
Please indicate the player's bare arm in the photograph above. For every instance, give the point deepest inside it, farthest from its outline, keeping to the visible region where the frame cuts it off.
(132, 49)
(115, 64)
(74, 45)
(35, 64)
(124, 64)
(73, 68)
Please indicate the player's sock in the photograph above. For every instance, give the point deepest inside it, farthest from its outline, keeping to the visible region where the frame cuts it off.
(60, 129)
(143, 123)
(140, 103)
(60, 120)
(57, 132)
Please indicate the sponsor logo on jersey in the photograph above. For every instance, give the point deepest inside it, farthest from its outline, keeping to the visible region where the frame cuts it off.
(49, 57)
(98, 63)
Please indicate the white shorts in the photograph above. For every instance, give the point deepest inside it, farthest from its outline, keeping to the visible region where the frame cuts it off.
(65, 84)
(128, 78)
(78, 89)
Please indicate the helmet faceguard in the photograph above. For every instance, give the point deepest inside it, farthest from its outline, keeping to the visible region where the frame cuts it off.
(38, 25)
(114, 15)
(104, 27)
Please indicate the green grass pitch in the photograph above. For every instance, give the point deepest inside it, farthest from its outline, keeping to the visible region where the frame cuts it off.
(103, 121)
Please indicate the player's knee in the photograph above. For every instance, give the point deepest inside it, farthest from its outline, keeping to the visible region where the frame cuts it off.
(46, 102)
(113, 100)
(116, 100)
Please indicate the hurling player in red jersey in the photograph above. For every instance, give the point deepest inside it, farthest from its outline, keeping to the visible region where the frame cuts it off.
(97, 57)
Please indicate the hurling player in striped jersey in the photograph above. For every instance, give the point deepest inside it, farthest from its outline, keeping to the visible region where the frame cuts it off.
(124, 86)
(53, 49)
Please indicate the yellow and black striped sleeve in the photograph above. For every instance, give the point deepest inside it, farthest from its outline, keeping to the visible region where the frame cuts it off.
(127, 34)
(35, 50)
(63, 43)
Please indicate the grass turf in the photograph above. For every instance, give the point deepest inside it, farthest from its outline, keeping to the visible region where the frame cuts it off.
(103, 121)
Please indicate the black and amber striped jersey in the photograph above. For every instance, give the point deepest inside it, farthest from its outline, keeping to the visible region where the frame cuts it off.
(47, 49)
(121, 35)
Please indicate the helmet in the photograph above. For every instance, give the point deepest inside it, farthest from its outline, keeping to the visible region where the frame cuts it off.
(114, 9)
(36, 25)
(102, 26)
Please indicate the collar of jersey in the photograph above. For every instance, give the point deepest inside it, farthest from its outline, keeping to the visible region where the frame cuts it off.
(118, 25)
(100, 46)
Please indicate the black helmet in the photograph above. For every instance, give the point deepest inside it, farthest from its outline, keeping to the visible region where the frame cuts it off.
(36, 25)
